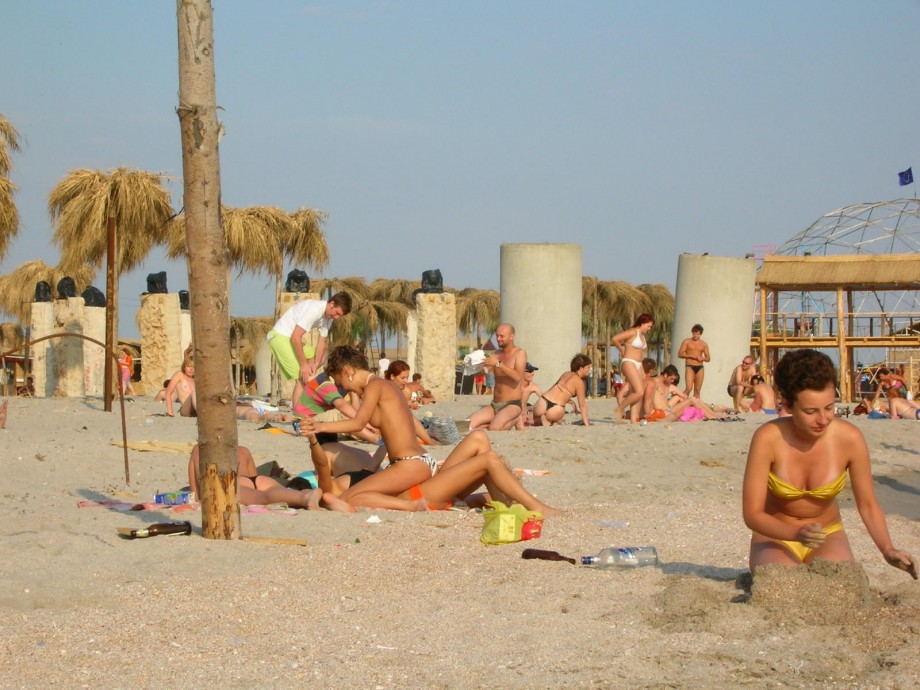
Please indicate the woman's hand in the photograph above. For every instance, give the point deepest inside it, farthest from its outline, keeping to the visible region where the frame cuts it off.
(811, 535)
(901, 560)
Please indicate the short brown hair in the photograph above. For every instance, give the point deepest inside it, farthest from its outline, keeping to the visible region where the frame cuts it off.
(342, 299)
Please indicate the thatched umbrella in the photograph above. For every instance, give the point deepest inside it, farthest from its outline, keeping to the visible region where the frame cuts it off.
(118, 216)
(246, 334)
(11, 335)
(260, 238)
(9, 216)
(387, 294)
(660, 303)
(17, 289)
(477, 311)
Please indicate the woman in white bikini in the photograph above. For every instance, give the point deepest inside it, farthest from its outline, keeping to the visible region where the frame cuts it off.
(551, 405)
(632, 346)
(412, 480)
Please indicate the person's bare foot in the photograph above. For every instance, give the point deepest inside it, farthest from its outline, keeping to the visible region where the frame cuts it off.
(313, 499)
(419, 505)
(333, 502)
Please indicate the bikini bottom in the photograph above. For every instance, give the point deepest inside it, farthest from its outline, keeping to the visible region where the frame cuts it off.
(798, 549)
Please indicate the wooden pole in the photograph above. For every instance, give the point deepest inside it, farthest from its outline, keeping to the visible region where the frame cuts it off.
(111, 297)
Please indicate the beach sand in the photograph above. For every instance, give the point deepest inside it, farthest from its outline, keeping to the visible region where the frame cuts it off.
(415, 600)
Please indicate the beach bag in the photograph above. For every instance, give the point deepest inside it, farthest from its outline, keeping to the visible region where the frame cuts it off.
(444, 430)
(93, 297)
(508, 524)
(156, 283)
(297, 281)
(66, 288)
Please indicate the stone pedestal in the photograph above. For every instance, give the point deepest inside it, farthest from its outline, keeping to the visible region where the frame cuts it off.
(436, 343)
(162, 345)
(70, 367)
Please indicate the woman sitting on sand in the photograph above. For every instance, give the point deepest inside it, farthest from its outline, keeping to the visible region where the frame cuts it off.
(182, 387)
(796, 467)
(571, 384)
(764, 396)
(412, 480)
(632, 346)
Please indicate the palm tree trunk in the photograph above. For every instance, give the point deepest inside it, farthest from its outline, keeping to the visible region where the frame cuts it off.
(208, 262)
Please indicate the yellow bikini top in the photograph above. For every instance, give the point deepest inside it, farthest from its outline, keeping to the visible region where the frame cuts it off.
(786, 491)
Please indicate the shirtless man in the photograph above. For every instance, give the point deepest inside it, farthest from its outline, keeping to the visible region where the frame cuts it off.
(663, 400)
(528, 388)
(764, 396)
(182, 387)
(739, 385)
(695, 352)
(508, 363)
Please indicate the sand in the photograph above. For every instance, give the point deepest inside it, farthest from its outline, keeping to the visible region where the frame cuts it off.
(415, 600)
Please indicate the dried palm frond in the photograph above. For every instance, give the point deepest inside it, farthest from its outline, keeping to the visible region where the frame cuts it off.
(9, 141)
(81, 204)
(9, 216)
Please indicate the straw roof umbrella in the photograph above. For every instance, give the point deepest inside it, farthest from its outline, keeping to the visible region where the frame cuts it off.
(477, 311)
(260, 238)
(9, 216)
(660, 304)
(392, 320)
(118, 216)
(17, 289)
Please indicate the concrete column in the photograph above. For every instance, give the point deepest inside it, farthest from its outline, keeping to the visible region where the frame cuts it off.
(42, 322)
(161, 338)
(264, 369)
(716, 292)
(436, 343)
(93, 355)
(412, 343)
(541, 298)
(68, 352)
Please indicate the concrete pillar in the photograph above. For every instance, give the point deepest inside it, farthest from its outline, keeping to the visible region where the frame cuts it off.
(68, 352)
(93, 355)
(42, 324)
(436, 343)
(541, 298)
(264, 369)
(412, 343)
(161, 338)
(716, 292)
(185, 329)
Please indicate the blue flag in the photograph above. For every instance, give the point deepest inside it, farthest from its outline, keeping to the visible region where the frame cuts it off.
(906, 177)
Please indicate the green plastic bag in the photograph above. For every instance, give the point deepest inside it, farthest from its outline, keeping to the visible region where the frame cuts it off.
(508, 524)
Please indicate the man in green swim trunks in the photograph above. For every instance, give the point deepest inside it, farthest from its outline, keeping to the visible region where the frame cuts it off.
(508, 363)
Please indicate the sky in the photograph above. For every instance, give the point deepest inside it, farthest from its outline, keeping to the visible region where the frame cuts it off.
(433, 132)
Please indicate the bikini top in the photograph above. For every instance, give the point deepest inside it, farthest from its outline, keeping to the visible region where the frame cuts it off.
(638, 341)
(783, 489)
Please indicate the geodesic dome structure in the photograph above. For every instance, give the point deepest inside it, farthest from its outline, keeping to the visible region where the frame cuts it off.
(884, 227)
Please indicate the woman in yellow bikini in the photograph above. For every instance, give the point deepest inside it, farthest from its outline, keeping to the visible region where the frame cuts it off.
(796, 467)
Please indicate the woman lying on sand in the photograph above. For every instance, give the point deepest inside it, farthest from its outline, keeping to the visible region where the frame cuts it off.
(796, 467)
(412, 480)
(551, 405)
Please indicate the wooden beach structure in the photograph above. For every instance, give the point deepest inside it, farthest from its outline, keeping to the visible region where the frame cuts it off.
(841, 278)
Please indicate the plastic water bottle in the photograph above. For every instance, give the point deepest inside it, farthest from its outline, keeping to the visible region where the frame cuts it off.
(626, 557)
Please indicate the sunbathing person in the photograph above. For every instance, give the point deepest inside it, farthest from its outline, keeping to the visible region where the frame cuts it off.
(412, 480)
(664, 401)
(181, 387)
(422, 394)
(764, 396)
(632, 346)
(798, 464)
(571, 384)
(528, 390)
(247, 413)
(255, 489)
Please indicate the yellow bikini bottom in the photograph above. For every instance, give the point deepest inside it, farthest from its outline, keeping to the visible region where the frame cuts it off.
(798, 549)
